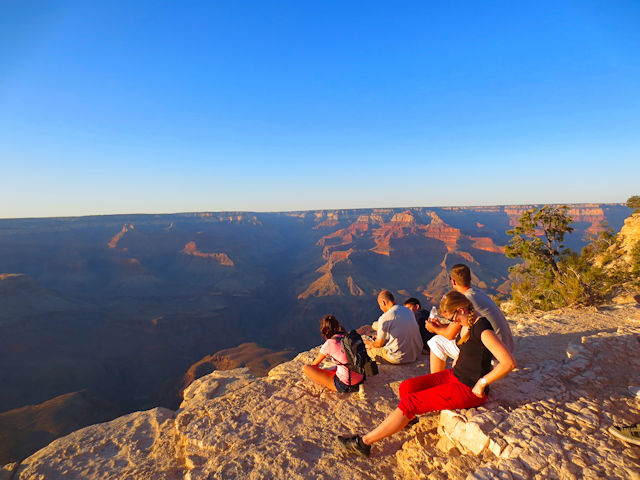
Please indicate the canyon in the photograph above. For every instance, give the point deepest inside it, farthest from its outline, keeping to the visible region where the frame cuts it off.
(122, 312)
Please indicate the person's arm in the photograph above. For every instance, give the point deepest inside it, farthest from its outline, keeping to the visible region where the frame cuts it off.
(375, 343)
(318, 359)
(448, 331)
(380, 338)
(503, 356)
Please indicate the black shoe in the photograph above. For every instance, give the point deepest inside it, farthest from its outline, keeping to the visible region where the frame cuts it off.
(355, 445)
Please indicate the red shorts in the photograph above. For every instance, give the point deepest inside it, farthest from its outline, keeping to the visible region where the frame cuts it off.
(436, 391)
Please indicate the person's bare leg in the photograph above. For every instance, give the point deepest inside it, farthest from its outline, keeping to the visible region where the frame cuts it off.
(395, 422)
(320, 376)
(436, 364)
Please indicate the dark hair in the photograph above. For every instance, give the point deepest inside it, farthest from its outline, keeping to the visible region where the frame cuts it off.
(329, 326)
(461, 274)
(387, 295)
(412, 301)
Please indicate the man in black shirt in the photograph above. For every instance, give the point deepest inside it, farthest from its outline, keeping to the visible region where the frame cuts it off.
(421, 315)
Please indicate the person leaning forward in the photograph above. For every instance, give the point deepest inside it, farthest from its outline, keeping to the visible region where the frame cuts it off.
(398, 338)
(443, 344)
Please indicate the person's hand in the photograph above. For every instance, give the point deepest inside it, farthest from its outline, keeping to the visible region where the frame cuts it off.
(429, 325)
(478, 389)
(368, 341)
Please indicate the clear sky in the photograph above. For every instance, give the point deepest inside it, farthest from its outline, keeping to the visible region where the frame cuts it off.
(180, 106)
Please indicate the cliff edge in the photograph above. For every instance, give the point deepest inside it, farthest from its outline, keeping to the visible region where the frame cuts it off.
(548, 419)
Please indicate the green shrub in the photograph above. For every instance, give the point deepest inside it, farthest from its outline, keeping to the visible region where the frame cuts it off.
(551, 276)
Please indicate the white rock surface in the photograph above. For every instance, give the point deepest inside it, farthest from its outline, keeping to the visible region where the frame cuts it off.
(548, 419)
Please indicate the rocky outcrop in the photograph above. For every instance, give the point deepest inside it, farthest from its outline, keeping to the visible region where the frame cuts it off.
(629, 236)
(547, 419)
(257, 359)
(192, 249)
(140, 445)
(322, 287)
(113, 243)
(487, 244)
(621, 260)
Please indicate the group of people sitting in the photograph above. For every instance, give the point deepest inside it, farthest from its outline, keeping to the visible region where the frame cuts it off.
(469, 328)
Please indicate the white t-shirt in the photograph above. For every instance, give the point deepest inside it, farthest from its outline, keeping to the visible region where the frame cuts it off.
(398, 327)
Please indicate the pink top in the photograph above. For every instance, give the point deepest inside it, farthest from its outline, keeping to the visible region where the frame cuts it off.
(334, 348)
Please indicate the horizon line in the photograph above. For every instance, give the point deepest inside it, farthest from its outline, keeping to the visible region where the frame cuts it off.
(69, 217)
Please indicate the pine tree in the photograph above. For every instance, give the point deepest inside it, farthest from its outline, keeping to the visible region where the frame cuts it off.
(634, 203)
(539, 282)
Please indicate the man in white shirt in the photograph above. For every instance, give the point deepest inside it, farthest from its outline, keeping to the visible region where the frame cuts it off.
(398, 338)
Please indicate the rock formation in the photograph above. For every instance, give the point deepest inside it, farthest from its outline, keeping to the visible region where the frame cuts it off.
(622, 260)
(222, 258)
(629, 236)
(257, 359)
(113, 243)
(547, 419)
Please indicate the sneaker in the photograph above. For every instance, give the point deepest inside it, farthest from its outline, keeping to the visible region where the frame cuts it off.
(634, 391)
(355, 445)
(629, 434)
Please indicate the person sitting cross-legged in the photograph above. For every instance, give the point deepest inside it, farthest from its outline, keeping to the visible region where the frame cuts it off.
(463, 387)
(340, 379)
(398, 337)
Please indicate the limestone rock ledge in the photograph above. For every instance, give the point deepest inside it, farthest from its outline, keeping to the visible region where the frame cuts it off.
(548, 419)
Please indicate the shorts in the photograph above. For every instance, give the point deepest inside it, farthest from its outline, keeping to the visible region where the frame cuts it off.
(442, 347)
(343, 387)
(380, 353)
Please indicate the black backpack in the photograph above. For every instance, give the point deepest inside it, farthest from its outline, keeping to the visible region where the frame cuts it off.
(357, 358)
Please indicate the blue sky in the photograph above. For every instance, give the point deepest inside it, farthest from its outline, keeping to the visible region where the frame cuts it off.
(156, 107)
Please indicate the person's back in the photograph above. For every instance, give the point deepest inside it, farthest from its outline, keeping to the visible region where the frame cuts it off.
(485, 307)
(403, 341)
(421, 316)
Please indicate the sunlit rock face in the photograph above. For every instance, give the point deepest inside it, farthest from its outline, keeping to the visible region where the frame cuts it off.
(630, 235)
